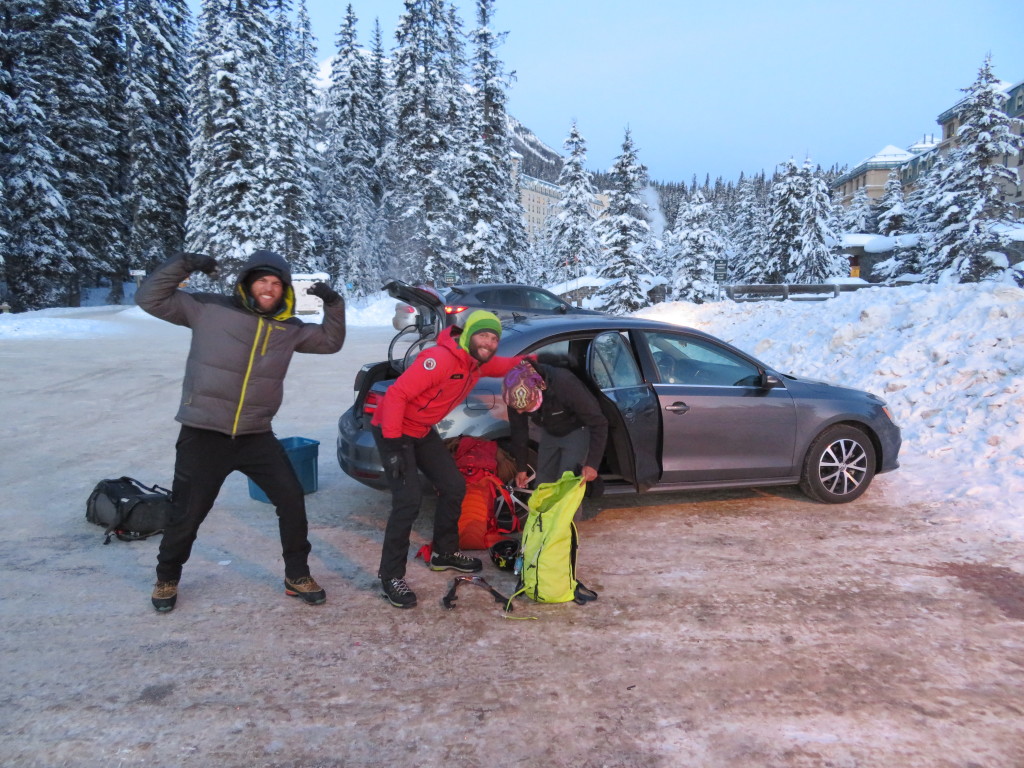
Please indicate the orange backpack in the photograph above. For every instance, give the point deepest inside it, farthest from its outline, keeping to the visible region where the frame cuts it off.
(478, 460)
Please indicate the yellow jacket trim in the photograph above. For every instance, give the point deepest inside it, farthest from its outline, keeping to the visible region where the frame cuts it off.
(248, 373)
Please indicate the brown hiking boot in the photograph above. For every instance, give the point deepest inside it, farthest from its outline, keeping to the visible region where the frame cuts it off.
(165, 595)
(306, 588)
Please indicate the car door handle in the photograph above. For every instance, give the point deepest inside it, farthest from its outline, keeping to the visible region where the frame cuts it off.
(677, 408)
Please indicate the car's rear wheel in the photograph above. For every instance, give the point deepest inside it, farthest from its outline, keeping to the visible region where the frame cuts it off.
(839, 465)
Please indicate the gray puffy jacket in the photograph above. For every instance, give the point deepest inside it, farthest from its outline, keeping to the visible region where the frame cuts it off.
(234, 377)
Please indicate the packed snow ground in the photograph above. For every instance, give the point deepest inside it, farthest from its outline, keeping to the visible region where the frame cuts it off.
(740, 628)
(948, 359)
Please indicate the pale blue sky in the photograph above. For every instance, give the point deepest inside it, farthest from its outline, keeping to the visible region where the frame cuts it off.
(720, 87)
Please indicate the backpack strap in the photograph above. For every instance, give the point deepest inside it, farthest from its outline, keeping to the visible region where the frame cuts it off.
(584, 594)
(123, 510)
(133, 536)
(144, 487)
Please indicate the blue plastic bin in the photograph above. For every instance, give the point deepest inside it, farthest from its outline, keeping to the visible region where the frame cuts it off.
(302, 453)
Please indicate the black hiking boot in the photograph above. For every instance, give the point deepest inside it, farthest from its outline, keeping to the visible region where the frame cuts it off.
(456, 561)
(165, 595)
(306, 588)
(398, 593)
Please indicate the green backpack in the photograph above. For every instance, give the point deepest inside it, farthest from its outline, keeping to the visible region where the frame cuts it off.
(550, 541)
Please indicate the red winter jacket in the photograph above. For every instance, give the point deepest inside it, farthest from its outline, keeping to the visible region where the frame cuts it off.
(428, 390)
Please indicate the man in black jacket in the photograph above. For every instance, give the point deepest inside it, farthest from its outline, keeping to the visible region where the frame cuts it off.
(573, 431)
(234, 383)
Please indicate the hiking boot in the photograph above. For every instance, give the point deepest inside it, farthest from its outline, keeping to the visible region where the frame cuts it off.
(456, 561)
(398, 593)
(306, 588)
(165, 595)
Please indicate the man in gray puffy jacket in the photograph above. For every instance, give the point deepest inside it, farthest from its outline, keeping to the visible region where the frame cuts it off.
(234, 383)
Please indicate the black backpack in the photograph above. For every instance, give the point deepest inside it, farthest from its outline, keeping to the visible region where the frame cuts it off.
(128, 509)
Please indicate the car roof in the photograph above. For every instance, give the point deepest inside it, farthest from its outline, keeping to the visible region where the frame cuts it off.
(539, 327)
(467, 288)
(520, 333)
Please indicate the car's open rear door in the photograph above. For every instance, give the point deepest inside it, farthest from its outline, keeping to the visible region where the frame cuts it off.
(631, 407)
(425, 299)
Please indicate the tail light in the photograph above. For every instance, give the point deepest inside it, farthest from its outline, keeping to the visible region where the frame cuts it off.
(371, 402)
(454, 309)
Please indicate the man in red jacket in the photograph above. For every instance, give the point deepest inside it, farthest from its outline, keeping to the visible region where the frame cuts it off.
(438, 380)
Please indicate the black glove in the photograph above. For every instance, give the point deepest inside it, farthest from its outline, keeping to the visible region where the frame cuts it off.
(393, 456)
(325, 292)
(198, 262)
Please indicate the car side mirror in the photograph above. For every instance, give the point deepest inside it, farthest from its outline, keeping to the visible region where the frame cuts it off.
(562, 309)
(769, 380)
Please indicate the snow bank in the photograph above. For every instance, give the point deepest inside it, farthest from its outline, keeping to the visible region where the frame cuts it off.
(947, 359)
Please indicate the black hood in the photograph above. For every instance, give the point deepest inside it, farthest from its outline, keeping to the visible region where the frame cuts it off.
(272, 262)
(269, 260)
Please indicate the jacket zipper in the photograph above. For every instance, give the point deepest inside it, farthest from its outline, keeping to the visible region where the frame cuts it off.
(248, 373)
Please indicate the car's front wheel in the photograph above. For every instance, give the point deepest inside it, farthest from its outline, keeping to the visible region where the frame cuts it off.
(839, 465)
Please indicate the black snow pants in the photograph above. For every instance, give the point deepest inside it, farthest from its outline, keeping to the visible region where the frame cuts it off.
(204, 460)
(431, 456)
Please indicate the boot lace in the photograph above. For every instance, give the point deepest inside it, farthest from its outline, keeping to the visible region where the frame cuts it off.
(165, 589)
(399, 587)
(305, 583)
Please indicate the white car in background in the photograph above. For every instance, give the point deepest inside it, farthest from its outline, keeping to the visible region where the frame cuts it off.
(304, 303)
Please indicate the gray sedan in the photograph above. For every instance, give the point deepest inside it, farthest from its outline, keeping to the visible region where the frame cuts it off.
(686, 411)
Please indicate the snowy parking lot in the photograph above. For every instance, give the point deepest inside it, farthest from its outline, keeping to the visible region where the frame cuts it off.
(745, 628)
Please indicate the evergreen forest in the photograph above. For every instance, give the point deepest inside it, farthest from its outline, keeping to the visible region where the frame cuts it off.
(130, 131)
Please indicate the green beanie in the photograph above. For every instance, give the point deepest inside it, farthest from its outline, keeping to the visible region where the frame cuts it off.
(480, 320)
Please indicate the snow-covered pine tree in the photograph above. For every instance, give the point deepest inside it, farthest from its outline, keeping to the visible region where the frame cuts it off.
(424, 147)
(307, 71)
(784, 208)
(725, 209)
(227, 152)
(109, 31)
(83, 122)
(816, 257)
(202, 164)
(156, 176)
(693, 245)
(36, 263)
(670, 197)
(538, 264)
(749, 232)
(624, 234)
(200, 74)
(286, 193)
(893, 221)
(859, 217)
(381, 132)
(7, 127)
(892, 211)
(910, 256)
(574, 246)
(971, 203)
(492, 246)
(350, 167)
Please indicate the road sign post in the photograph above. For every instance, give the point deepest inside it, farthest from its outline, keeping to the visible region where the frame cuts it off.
(721, 272)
